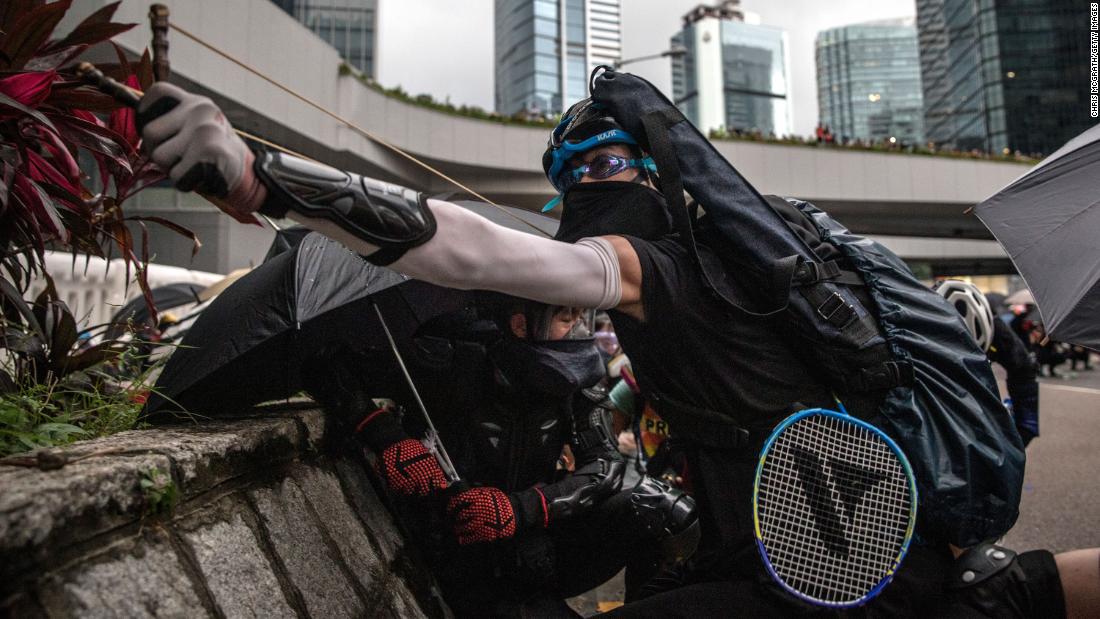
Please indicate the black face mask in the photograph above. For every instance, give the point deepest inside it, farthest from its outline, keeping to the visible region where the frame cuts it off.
(554, 368)
(613, 207)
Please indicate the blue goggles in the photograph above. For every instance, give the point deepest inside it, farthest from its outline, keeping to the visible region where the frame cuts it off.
(602, 167)
(564, 150)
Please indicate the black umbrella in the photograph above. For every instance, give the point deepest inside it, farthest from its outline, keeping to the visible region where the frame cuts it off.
(285, 240)
(1048, 221)
(247, 347)
(509, 216)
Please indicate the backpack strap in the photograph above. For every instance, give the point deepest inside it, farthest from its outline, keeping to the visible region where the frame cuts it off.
(885, 375)
(797, 272)
(656, 125)
(806, 273)
(700, 425)
(791, 272)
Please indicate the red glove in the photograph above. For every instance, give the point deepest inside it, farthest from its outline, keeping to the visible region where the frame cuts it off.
(409, 469)
(482, 514)
(406, 465)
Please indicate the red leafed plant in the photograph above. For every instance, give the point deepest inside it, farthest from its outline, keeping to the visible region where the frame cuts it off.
(50, 120)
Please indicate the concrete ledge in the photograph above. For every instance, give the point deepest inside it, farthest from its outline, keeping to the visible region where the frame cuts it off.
(265, 524)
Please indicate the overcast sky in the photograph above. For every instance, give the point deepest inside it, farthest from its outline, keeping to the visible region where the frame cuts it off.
(445, 47)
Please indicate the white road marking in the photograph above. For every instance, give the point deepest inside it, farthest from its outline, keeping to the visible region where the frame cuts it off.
(1071, 388)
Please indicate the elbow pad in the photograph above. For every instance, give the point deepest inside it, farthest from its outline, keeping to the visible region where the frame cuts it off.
(667, 515)
(592, 437)
(392, 217)
(584, 488)
(600, 467)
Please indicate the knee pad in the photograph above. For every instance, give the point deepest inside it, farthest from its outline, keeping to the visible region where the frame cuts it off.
(999, 583)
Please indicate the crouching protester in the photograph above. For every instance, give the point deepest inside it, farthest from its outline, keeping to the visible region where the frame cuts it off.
(518, 534)
(732, 321)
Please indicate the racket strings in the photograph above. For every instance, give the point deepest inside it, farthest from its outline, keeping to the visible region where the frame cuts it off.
(834, 505)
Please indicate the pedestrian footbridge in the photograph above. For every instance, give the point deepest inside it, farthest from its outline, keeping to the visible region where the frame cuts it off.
(914, 203)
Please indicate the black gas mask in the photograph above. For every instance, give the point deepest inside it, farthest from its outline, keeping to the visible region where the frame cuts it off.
(557, 355)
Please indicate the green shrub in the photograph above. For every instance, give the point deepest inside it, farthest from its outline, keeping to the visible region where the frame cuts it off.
(54, 388)
(427, 101)
(82, 405)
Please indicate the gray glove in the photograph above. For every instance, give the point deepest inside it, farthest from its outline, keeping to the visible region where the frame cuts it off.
(190, 139)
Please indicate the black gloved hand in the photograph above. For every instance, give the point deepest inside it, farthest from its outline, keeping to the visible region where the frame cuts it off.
(582, 489)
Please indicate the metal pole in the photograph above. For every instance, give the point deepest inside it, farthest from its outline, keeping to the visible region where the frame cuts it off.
(432, 441)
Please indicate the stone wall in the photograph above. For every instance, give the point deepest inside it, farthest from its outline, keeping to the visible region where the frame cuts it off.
(249, 517)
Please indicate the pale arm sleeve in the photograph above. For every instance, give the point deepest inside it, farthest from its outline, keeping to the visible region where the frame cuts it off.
(470, 252)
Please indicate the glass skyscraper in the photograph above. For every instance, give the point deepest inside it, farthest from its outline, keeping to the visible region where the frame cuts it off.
(535, 72)
(1004, 76)
(733, 74)
(868, 81)
(348, 25)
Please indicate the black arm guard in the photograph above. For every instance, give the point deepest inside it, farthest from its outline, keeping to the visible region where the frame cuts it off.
(600, 466)
(592, 436)
(599, 472)
(394, 218)
(584, 488)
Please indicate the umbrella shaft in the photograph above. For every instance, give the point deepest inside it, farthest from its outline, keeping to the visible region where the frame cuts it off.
(437, 445)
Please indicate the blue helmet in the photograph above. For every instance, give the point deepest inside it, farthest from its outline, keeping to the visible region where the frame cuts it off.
(583, 127)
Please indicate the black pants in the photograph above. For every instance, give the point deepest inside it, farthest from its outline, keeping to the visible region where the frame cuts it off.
(1082, 354)
(567, 559)
(1030, 588)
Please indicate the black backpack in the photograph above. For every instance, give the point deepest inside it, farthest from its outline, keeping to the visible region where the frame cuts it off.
(852, 304)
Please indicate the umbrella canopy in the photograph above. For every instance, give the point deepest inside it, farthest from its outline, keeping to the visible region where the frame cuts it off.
(511, 217)
(1048, 221)
(1020, 297)
(249, 344)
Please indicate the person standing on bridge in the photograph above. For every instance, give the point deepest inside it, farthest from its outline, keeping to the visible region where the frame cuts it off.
(615, 250)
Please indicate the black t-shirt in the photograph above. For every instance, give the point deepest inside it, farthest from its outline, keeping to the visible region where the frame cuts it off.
(698, 350)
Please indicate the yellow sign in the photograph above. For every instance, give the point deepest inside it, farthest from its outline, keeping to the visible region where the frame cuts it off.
(653, 430)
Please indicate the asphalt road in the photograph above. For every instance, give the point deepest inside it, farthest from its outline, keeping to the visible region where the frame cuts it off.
(1061, 503)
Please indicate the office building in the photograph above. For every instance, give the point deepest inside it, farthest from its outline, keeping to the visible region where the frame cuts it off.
(1005, 76)
(868, 81)
(347, 25)
(535, 72)
(733, 74)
